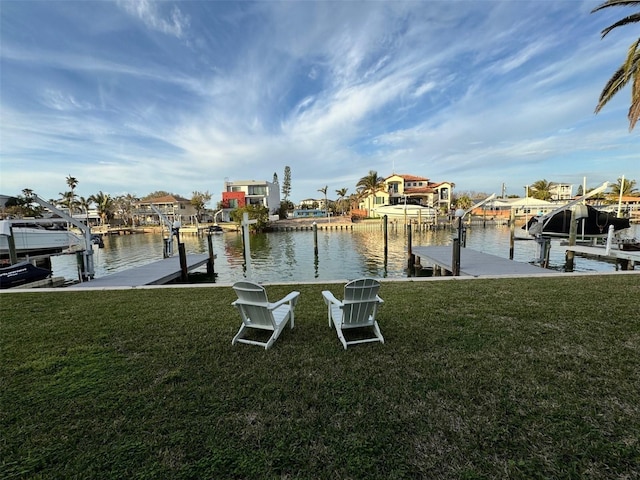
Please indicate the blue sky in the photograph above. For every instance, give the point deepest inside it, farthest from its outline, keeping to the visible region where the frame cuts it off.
(139, 96)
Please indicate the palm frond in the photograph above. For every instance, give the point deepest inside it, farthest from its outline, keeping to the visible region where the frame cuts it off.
(615, 84)
(634, 109)
(627, 71)
(625, 21)
(616, 3)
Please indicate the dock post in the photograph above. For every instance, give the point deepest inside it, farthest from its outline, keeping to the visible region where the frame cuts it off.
(315, 239)
(573, 231)
(211, 269)
(184, 276)
(411, 258)
(607, 249)
(455, 258)
(512, 233)
(385, 232)
(13, 257)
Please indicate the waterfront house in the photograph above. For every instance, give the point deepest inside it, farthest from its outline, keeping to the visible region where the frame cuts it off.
(174, 207)
(240, 193)
(561, 191)
(410, 189)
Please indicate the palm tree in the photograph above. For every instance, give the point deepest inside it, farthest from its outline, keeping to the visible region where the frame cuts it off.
(341, 194)
(370, 184)
(627, 189)
(72, 182)
(630, 69)
(68, 201)
(84, 204)
(104, 204)
(324, 191)
(541, 190)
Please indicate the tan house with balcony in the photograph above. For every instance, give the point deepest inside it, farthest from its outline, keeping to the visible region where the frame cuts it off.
(411, 189)
(176, 208)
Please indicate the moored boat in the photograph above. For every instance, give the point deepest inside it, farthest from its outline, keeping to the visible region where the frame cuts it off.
(21, 273)
(32, 239)
(595, 224)
(402, 211)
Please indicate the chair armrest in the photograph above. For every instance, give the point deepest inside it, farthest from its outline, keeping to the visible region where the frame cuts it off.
(290, 298)
(329, 298)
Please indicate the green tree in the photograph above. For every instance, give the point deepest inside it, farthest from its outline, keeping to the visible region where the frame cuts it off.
(540, 189)
(199, 200)
(158, 194)
(629, 71)
(627, 189)
(125, 205)
(255, 212)
(463, 201)
(72, 182)
(84, 204)
(342, 192)
(323, 190)
(68, 201)
(104, 205)
(286, 183)
(369, 185)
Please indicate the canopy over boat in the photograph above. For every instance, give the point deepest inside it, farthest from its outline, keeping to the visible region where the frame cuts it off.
(21, 273)
(595, 224)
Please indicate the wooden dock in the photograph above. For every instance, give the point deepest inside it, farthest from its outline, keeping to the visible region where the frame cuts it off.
(473, 263)
(156, 273)
(627, 258)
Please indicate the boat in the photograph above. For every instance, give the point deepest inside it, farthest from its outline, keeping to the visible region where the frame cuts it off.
(402, 211)
(596, 224)
(21, 273)
(215, 229)
(30, 238)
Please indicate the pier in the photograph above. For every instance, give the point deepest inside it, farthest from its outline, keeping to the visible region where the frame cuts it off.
(627, 259)
(155, 273)
(473, 263)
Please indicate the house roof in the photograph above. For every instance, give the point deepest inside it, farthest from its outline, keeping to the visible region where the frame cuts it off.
(408, 178)
(166, 199)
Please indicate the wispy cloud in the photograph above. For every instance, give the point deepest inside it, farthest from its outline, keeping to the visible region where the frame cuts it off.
(180, 95)
(173, 23)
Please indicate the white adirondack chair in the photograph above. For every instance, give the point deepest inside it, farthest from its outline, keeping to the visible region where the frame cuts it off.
(257, 312)
(357, 310)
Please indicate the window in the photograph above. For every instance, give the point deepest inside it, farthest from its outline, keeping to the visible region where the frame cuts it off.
(257, 190)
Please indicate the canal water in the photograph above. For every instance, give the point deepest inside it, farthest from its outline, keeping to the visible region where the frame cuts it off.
(289, 256)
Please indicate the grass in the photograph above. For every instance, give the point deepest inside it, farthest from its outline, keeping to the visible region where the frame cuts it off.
(496, 378)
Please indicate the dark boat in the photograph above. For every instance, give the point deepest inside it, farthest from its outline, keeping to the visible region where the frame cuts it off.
(596, 224)
(21, 273)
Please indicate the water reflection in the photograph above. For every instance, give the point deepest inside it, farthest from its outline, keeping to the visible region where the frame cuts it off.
(290, 257)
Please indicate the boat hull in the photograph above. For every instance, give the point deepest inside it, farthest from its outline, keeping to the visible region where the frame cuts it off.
(405, 211)
(21, 274)
(36, 240)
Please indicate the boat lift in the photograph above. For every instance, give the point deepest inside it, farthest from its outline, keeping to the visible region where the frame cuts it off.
(174, 229)
(88, 269)
(540, 222)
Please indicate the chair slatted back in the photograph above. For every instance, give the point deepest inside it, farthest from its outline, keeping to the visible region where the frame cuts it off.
(360, 302)
(252, 303)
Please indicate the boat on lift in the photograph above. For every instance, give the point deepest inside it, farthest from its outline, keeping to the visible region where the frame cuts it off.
(31, 238)
(401, 211)
(593, 225)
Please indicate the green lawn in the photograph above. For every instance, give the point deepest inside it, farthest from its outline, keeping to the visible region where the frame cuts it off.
(508, 378)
